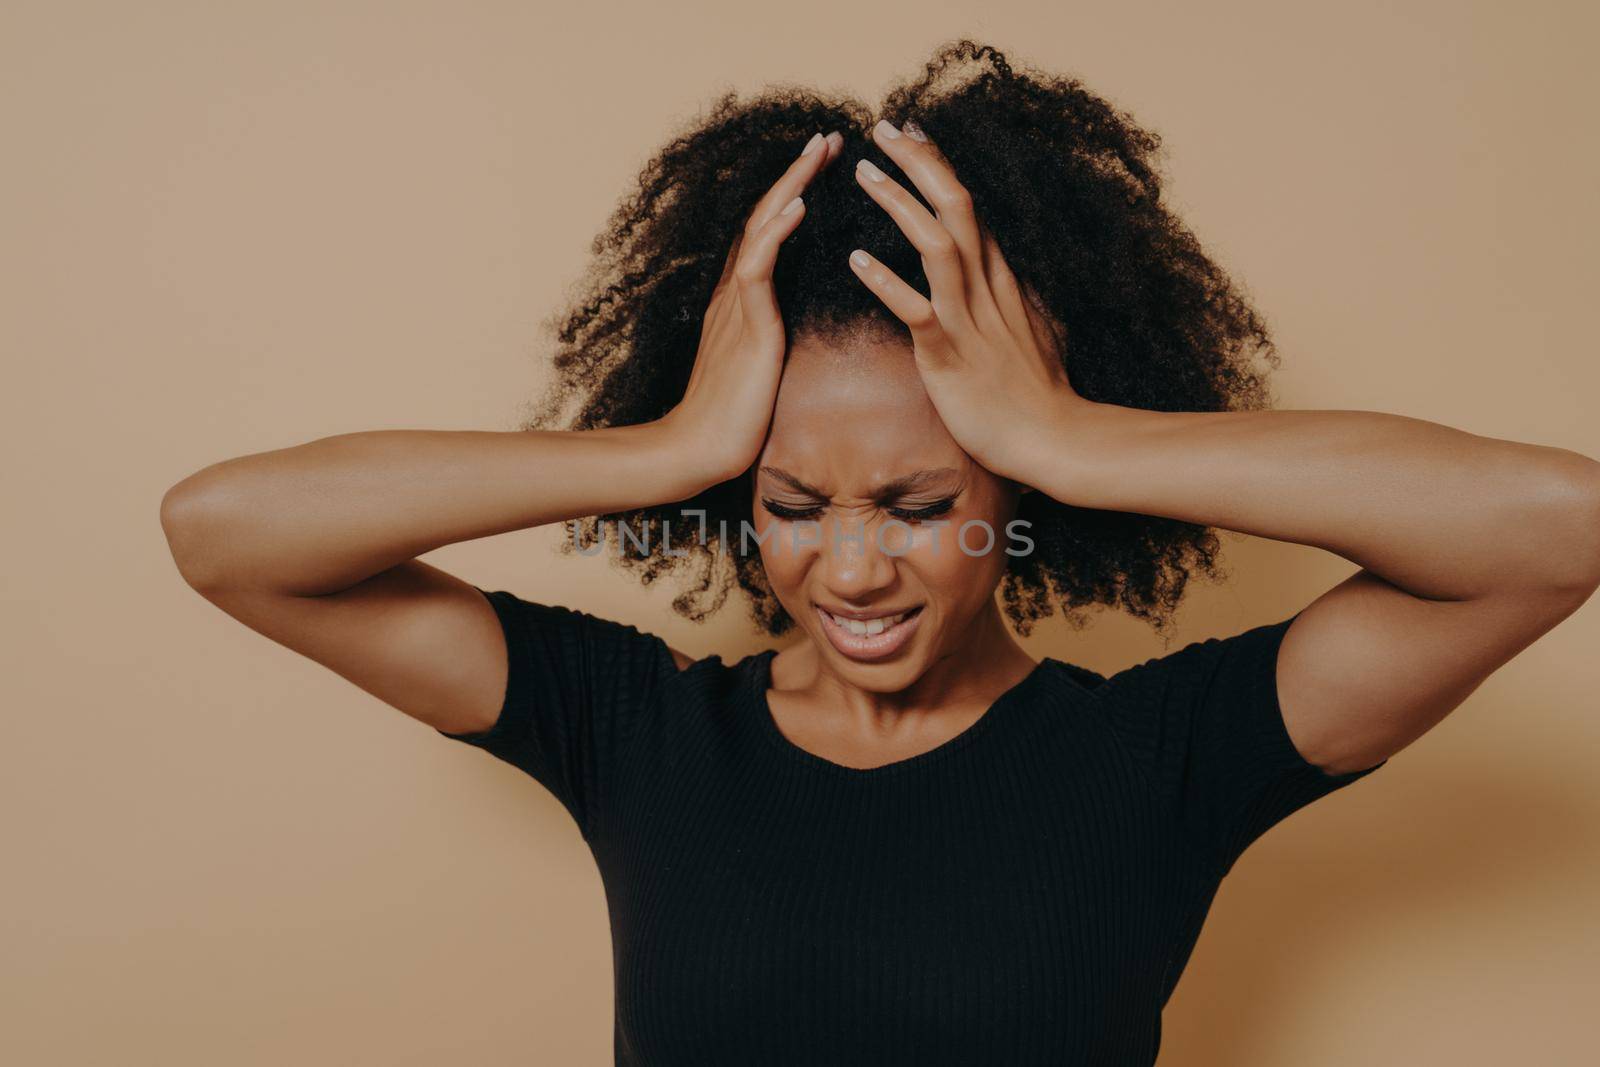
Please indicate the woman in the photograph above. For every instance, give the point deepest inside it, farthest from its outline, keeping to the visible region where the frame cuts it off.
(984, 358)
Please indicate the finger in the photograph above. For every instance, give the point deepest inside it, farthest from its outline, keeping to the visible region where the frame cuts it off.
(941, 260)
(906, 304)
(758, 303)
(935, 179)
(835, 146)
(799, 174)
(730, 259)
(813, 157)
(1049, 333)
(1003, 284)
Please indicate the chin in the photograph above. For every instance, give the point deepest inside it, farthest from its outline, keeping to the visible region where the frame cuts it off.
(882, 678)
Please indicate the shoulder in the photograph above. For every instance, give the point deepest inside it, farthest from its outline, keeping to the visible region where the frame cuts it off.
(1071, 676)
(1211, 666)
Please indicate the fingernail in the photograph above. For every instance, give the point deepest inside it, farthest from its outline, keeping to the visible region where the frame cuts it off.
(791, 207)
(812, 145)
(873, 173)
(913, 131)
(859, 258)
(886, 128)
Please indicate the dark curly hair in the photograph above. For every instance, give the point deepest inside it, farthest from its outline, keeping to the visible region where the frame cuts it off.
(1067, 185)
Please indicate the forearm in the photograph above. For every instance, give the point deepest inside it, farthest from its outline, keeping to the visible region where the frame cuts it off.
(322, 516)
(1437, 511)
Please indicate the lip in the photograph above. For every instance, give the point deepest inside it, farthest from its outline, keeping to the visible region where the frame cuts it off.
(868, 616)
(868, 648)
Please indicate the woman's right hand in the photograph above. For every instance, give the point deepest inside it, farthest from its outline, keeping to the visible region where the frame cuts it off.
(727, 407)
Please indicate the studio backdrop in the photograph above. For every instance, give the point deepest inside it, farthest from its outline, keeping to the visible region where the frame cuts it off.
(237, 227)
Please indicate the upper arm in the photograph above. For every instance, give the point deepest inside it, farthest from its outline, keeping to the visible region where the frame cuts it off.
(419, 639)
(415, 637)
(1237, 733)
(1367, 668)
(553, 691)
(1205, 725)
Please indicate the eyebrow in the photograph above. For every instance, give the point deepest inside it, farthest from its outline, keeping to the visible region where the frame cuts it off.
(894, 487)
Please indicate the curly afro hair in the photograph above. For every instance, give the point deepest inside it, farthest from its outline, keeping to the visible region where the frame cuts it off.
(1067, 185)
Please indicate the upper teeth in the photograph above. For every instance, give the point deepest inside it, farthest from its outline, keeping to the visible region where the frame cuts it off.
(869, 626)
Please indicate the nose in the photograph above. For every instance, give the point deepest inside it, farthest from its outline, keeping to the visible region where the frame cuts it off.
(853, 565)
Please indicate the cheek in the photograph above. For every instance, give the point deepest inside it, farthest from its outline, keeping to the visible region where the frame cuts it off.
(948, 575)
(962, 578)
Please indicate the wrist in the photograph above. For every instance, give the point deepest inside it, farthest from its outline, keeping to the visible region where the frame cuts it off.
(1061, 452)
(690, 454)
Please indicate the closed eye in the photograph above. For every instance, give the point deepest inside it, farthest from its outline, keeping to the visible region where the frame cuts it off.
(783, 511)
(930, 511)
(919, 514)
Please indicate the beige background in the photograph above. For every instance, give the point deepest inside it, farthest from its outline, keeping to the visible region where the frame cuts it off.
(231, 227)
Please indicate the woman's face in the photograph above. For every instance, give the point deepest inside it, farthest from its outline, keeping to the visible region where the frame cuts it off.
(861, 496)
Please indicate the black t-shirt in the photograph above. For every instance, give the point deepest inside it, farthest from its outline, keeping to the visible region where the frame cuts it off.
(1026, 893)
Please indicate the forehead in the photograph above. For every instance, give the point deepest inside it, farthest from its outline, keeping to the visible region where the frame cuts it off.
(850, 410)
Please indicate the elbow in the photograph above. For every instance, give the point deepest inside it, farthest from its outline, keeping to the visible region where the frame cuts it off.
(193, 518)
(1574, 559)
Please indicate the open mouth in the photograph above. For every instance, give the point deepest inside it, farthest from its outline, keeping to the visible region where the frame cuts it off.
(869, 639)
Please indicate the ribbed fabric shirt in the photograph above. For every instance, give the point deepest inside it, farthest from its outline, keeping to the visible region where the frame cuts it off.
(1026, 893)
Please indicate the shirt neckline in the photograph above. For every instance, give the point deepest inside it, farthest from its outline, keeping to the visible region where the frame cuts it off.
(758, 680)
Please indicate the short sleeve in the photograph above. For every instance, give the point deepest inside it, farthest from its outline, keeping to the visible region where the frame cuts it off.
(1206, 722)
(575, 687)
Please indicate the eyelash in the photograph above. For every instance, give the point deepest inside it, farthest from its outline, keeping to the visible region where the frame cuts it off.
(932, 511)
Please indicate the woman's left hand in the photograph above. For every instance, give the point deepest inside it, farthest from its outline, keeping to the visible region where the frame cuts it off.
(991, 362)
